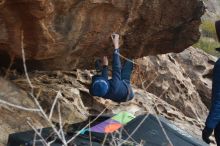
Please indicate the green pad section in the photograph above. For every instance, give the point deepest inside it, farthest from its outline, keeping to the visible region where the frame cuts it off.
(123, 117)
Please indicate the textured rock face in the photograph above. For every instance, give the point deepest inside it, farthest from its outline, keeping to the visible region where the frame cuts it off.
(212, 11)
(68, 34)
(183, 80)
(198, 66)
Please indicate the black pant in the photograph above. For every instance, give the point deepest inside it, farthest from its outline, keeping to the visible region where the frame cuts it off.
(217, 134)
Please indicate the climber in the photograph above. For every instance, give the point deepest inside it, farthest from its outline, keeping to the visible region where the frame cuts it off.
(118, 88)
(213, 119)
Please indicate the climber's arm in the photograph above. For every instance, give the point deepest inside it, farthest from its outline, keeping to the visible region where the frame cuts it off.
(105, 67)
(116, 63)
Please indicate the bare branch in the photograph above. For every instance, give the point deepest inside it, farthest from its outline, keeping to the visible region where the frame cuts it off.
(19, 107)
(38, 133)
(24, 63)
(145, 88)
(49, 143)
(54, 103)
(130, 135)
(34, 140)
(164, 131)
(47, 119)
(35, 99)
(9, 67)
(106, 134)
(61, 125)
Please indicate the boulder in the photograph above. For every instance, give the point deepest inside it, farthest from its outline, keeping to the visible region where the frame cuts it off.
(183, 80)
(70, 34)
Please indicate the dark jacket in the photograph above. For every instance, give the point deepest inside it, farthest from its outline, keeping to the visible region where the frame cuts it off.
(119, 90)
(214, 115)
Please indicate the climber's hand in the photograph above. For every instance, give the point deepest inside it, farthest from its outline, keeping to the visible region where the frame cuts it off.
(206, 133)
(115, 39)
(105, 61)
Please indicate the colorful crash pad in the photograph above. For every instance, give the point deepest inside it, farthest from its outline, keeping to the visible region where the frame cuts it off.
(112, 124)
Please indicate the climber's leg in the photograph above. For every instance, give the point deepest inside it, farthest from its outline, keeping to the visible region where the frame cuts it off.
(126, 71)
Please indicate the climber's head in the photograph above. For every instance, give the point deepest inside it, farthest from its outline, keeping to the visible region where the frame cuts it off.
(100, 87)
